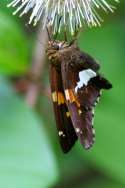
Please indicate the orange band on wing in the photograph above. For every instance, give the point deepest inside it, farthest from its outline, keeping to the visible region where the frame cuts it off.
(71, 97)
(58, 97)
(61, 99)
(54, 96)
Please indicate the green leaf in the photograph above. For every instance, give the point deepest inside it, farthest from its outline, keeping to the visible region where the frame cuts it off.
(26, 158)
(13, 47)
(101, 182)
(108, 153)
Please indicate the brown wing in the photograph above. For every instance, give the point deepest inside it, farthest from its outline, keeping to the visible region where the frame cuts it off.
(82, 102)
(66, 132)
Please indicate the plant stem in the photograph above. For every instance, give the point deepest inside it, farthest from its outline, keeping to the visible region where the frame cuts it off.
(37, 68)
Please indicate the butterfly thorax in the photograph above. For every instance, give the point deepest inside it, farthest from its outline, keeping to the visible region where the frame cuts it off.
(61, 50)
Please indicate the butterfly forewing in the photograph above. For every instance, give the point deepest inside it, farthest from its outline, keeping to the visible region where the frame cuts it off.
(66, 133)
(80, 119)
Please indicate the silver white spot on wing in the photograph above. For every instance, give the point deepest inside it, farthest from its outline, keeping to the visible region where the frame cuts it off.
(61, 134)
(93, 131)
(87, 144)
(77, 130)
(84, 78)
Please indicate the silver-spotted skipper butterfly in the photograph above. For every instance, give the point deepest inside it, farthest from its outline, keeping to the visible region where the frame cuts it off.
(76, 86)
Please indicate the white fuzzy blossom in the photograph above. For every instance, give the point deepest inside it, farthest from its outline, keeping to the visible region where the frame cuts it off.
(71, 14)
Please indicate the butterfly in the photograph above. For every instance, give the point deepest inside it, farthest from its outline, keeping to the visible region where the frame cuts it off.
(76, 86)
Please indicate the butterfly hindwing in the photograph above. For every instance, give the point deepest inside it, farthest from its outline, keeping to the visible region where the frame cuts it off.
(67, 135)
(82, 87)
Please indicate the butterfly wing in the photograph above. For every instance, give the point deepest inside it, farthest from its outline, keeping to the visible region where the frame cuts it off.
(82, 87)
(66, 132)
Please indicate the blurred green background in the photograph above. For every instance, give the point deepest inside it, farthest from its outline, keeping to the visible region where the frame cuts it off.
(30, 155)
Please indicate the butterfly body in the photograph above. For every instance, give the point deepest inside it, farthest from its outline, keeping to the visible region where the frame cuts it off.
(76, 86)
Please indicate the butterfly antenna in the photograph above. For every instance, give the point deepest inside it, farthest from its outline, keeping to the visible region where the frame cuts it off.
(75, 37)
(48, 32)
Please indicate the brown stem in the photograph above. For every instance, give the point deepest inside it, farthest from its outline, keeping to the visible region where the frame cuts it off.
(37, 68)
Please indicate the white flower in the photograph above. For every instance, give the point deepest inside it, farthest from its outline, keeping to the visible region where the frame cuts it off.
(58, 13)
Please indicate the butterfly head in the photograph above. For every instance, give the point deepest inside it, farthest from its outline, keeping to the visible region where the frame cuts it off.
(55, 47)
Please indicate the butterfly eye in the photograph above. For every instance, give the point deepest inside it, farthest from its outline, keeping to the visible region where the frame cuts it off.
(56, 46)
